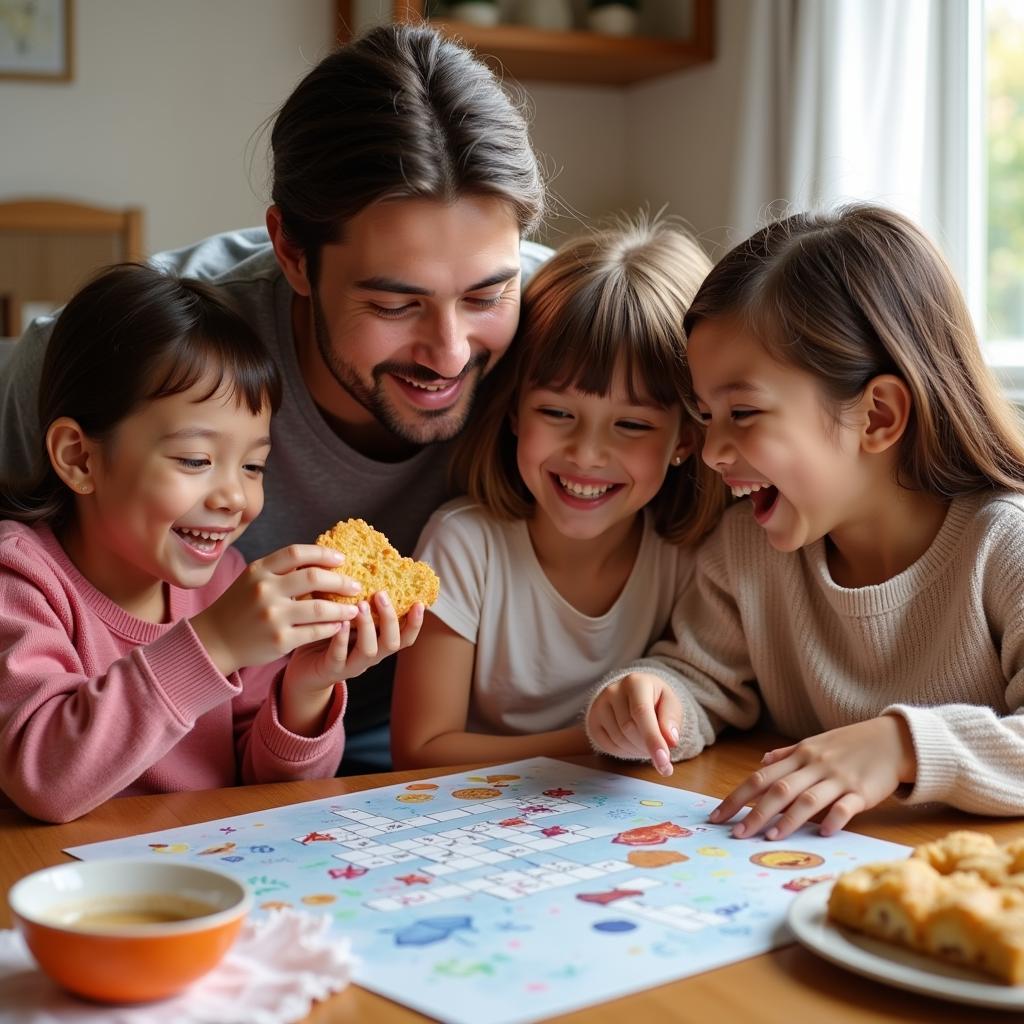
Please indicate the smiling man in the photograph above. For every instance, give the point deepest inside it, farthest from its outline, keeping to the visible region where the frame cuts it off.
(387, 284)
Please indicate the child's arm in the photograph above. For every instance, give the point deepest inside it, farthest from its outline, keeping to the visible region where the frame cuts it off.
(430, 706)
(698, 677)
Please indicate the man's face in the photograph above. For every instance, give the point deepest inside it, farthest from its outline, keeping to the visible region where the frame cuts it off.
(411, 309)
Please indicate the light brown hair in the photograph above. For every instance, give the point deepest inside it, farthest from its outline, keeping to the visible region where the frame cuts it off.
(616, 297)
(861, 291)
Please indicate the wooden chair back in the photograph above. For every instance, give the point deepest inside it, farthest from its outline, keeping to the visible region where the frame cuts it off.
(50, 248)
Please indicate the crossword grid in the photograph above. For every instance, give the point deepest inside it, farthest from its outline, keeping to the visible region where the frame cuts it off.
(462, 849)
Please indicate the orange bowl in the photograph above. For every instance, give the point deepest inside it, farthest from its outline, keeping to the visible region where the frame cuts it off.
(126, 931)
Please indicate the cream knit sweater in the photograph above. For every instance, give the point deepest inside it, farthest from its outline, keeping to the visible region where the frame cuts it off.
(941, 644)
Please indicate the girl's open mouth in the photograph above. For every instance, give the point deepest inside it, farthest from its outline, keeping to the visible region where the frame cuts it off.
(764, 501)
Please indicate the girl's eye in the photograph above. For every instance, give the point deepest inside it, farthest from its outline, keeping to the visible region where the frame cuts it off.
(744, 414)
(255, 467)
(391, 312)
(488, 303)
(554, 414)
(634, 425)
(194, 463)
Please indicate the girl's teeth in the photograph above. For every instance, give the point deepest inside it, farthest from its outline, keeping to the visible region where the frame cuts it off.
(584, 490)
(743, 490)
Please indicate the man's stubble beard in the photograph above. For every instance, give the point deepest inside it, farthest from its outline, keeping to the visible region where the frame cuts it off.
(432, 425)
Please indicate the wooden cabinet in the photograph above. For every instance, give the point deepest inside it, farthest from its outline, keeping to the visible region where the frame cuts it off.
(574, 56)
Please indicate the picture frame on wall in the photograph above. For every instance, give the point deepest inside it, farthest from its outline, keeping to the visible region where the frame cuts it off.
(35, 40)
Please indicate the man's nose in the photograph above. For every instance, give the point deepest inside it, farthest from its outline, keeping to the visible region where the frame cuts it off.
(445, 349)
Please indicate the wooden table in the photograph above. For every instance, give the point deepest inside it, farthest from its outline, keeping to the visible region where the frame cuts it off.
(786, 986)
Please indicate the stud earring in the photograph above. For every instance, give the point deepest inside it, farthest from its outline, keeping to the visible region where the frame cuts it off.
(677, 461)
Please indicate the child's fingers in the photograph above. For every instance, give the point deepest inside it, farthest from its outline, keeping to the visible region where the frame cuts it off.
(366, 632)
(604, 727)
(644, 718)
(320, 610)
(845, 808)
(771, 756)
(336, 655)
(412, 625)
(789, 790)
(301, 635)
(295, 555)
(389, 633)
(670, 715)
(311, 579)
(809, 803)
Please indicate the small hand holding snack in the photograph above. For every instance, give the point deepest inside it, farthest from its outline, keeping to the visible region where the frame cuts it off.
(845, 770)
(637, 716)
(259, 617)
(366, 560)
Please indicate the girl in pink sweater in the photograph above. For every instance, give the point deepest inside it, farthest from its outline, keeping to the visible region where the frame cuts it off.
(138, 653)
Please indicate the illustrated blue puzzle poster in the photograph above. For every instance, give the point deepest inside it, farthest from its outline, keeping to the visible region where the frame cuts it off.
(522, 891)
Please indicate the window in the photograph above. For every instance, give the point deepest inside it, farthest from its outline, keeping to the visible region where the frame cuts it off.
(1003, 322)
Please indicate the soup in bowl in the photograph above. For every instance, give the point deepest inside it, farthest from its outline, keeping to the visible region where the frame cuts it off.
(124, 931)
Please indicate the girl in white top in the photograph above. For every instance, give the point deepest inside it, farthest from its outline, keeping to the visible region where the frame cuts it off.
(584, 501)
(871, 593)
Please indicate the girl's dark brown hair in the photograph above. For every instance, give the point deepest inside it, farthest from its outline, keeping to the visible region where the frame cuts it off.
(861, 291)
(401, 112)
(613, 298)
(131, 335)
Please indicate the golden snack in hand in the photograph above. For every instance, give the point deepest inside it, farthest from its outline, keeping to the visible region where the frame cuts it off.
(372, 561)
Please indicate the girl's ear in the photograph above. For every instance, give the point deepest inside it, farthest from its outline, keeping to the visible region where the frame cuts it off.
(291, 258)
(686, 446)
(71, 454)
(886, 405)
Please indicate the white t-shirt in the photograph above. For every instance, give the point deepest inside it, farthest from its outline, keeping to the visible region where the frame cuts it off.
(537, 657)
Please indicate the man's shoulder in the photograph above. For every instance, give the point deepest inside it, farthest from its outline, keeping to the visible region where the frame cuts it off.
(231, 257)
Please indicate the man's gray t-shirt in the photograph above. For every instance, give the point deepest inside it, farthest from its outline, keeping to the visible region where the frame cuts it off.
(313, 478)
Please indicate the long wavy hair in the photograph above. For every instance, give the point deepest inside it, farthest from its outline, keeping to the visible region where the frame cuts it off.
(861, 291)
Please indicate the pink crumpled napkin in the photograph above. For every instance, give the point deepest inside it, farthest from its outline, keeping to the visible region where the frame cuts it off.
(277, 968)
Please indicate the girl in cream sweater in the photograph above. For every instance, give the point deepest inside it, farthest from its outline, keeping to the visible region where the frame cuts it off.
(870, 593)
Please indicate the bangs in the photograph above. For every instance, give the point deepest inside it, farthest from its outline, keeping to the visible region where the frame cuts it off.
(252, 381)
(610, 330)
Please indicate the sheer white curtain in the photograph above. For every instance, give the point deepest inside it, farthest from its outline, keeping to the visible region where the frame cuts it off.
(862, 99)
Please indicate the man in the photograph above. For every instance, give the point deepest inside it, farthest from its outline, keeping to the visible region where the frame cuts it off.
(387, 283)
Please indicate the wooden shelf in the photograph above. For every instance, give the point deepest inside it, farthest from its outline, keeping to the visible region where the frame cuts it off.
(575, 56)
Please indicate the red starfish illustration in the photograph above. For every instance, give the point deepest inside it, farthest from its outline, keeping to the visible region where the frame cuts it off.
(554, 830)
(413, 879)
(348, 871)
(509, 822)
(316, 837)
(559, 792)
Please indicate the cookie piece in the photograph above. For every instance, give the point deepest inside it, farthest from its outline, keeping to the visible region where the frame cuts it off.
(372, 562)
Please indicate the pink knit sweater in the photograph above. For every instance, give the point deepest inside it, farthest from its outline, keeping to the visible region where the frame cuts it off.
(96, 703)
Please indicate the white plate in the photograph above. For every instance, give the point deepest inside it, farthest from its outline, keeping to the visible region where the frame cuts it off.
(890, 963)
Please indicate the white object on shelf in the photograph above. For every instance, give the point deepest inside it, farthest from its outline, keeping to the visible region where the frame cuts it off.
(475, 12)
(553, 15)
(612, 19)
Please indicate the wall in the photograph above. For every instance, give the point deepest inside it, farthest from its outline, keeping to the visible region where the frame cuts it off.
(167, 97)
(161, 113)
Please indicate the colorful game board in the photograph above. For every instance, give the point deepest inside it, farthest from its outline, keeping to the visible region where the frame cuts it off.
(519, 892)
